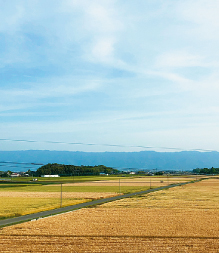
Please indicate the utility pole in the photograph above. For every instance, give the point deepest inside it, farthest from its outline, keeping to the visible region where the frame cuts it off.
(150, 183)
(119, 187)
(61, 196)
(73, 175)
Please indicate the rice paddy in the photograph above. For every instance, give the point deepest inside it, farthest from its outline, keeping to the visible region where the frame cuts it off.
(22, 198)
(180, 219)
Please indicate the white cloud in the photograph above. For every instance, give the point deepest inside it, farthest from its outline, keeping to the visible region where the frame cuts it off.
(101, 22)
(40, 93)
(179, 59)
(202, 16)
(204, 12)
(103, 50)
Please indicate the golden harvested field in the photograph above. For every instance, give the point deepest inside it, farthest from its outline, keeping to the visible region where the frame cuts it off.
(73, 195)
(201, 195)
(22, 203)
(181, 219)
(13, 207)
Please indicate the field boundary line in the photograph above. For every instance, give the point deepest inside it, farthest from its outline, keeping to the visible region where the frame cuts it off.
(39, 215)
(113, 236)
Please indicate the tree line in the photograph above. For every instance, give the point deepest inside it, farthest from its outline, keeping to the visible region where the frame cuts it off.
(206, 171)
(73, 170)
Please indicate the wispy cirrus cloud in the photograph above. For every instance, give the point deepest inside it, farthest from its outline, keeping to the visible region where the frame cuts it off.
(109, 70)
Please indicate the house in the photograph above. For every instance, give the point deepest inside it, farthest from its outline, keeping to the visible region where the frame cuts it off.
(132, 173)
(15, 174)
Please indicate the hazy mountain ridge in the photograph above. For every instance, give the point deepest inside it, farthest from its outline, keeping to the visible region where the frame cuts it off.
(185, 160)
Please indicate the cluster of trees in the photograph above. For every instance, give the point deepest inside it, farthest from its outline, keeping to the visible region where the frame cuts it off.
(72, 170)
(206, 171)
(5, 173)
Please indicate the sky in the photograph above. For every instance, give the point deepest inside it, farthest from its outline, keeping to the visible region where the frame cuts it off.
(115, 72)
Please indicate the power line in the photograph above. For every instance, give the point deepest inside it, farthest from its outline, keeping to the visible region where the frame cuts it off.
(22, 163)
(15, 165)
(107, 145)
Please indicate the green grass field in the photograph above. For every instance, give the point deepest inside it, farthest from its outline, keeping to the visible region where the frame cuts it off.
(64, 179)
(43, 188)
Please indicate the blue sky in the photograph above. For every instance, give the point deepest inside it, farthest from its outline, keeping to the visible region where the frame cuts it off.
(118, 72)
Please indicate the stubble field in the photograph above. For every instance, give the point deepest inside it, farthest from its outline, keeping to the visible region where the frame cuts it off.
(181, 219)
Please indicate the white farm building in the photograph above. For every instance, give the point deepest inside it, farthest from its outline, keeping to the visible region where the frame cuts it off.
(50, 176)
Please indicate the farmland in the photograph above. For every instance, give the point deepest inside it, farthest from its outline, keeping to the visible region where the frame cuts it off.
(180, 219)
(21, 198)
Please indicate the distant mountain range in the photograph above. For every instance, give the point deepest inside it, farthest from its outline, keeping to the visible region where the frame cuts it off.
(147, 160)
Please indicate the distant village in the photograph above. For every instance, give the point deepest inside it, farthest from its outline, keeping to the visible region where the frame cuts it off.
(29, 173)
